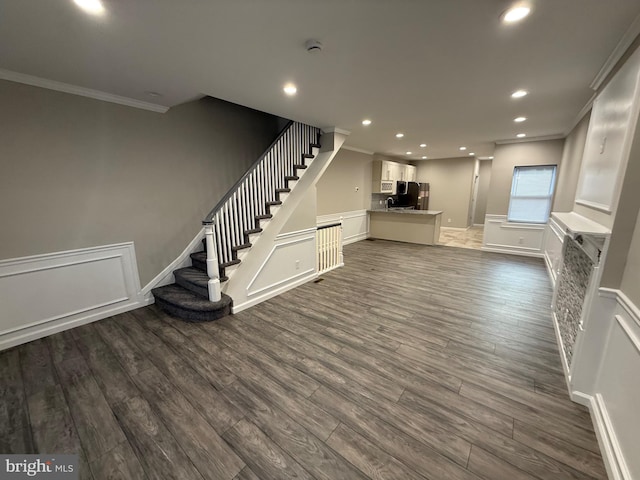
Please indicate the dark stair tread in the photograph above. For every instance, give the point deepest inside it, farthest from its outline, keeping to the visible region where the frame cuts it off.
(283, 190)
(308, 155)
(300, 166)
(241, 247)
(199, 256)
(276, 202)
(264, 217)
(182, 303)
(292, 177)
(253, 230)
(230, 263)
(193, 279)
(315, 145)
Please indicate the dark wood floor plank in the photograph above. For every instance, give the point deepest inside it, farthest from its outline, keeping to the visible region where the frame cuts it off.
(212, 405)
(157, 450)
(62, 346)
(299, 408)
(14, 416)
(131, 357)
(118, 463)
(371, 460)
(491, 467)
(129, 324)
(210, 454)
(389, 438)
(578, 458)
(246, 474)
(262, 455)
(97, 427)
(37, 366)
(309, 451)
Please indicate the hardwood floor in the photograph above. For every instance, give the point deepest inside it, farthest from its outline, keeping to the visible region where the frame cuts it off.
(410, 362)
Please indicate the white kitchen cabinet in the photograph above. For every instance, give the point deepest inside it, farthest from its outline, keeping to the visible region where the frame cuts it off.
(386, 173)
(410, 173)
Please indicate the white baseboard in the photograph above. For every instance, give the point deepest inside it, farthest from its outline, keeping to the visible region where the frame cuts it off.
(165, 277)
(511, 251)
(45, 294)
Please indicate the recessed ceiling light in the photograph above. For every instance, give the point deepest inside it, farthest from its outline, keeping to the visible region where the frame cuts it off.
(94, 7)
(399, 135)
(462, 149)
(515, 14)
(519, 94)
(519, 119)
(366, 122)
(471, 153)
(422, 145)
(424, 157)
(521, 135)
(409, 153)
(290, 89)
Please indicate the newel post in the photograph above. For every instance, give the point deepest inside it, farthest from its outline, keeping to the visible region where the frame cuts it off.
(212, 263)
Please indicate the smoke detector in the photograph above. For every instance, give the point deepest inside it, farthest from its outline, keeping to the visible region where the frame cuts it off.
(313, 46)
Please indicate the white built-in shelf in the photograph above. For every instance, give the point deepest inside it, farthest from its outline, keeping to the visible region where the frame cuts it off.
(575, 224)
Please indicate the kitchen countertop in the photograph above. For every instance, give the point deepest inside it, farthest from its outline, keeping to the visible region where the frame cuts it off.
(406, 212)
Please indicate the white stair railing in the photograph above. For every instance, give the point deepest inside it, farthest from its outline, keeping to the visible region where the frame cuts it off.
(329, 247)
(231, 221)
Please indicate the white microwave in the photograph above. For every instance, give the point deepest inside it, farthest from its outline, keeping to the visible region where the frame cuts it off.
(386, 186)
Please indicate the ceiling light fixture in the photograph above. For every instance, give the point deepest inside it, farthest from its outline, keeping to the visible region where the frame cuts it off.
(521, 135)
(290, 89)
(519, 119)
(519, 94)
(94, 7)
(409, 153)
(424, 157)
(399, 135)
(471, 154)
(366, 122)
(462, 149)
(515, 14)
(423, 145)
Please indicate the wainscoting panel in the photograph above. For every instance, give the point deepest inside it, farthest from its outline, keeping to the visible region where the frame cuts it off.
(514, 238)
(45, 294)
(291, 262)
(355, 224)
(553, 240)
(606, 379)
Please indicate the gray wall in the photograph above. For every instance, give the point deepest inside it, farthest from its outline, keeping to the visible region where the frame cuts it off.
(78, 172)
(569, 170)
(336, 189)
(483, 191)
(631, 276)
(506, 157)
(450, 182)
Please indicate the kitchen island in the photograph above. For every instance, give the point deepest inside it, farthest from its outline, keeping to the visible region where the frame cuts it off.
(412, 226)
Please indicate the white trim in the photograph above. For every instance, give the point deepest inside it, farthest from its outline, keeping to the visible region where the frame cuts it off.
(512, 250)
(621, 48)
(613, 458)
(563, 357)
(624, 323)
(297, 233)
(341, 131)
(112, 268)
(81, 91)
(542, 138)
(623, 301)
(523, 226)
(165, 277)
(237, 308)
(596, 206)
(268, 259)
(347, 223)
(355, 149)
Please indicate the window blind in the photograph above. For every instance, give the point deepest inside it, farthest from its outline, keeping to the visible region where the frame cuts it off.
(531, 194)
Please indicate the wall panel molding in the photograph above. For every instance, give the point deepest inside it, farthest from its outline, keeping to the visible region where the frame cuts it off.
(355, 224)
(501, 236)
(44, 294)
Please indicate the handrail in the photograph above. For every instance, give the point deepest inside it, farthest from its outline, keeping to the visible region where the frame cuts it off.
(209, 218)
(329, 225)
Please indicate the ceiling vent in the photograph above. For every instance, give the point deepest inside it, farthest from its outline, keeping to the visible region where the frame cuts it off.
(313, 46)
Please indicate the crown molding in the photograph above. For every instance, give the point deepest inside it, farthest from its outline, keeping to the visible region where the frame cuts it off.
(557, 136)
(355, 149)
(581, 114)
(81, 91)
(625, 42)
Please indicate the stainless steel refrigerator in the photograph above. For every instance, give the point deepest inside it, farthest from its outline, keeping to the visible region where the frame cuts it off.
(417, 196)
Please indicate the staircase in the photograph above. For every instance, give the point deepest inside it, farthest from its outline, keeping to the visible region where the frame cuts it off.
(237, 222)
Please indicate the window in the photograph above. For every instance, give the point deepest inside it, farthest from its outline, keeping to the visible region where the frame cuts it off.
(531, 193)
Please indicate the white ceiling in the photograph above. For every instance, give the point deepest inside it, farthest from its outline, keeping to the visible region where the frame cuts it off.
(441, 71)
